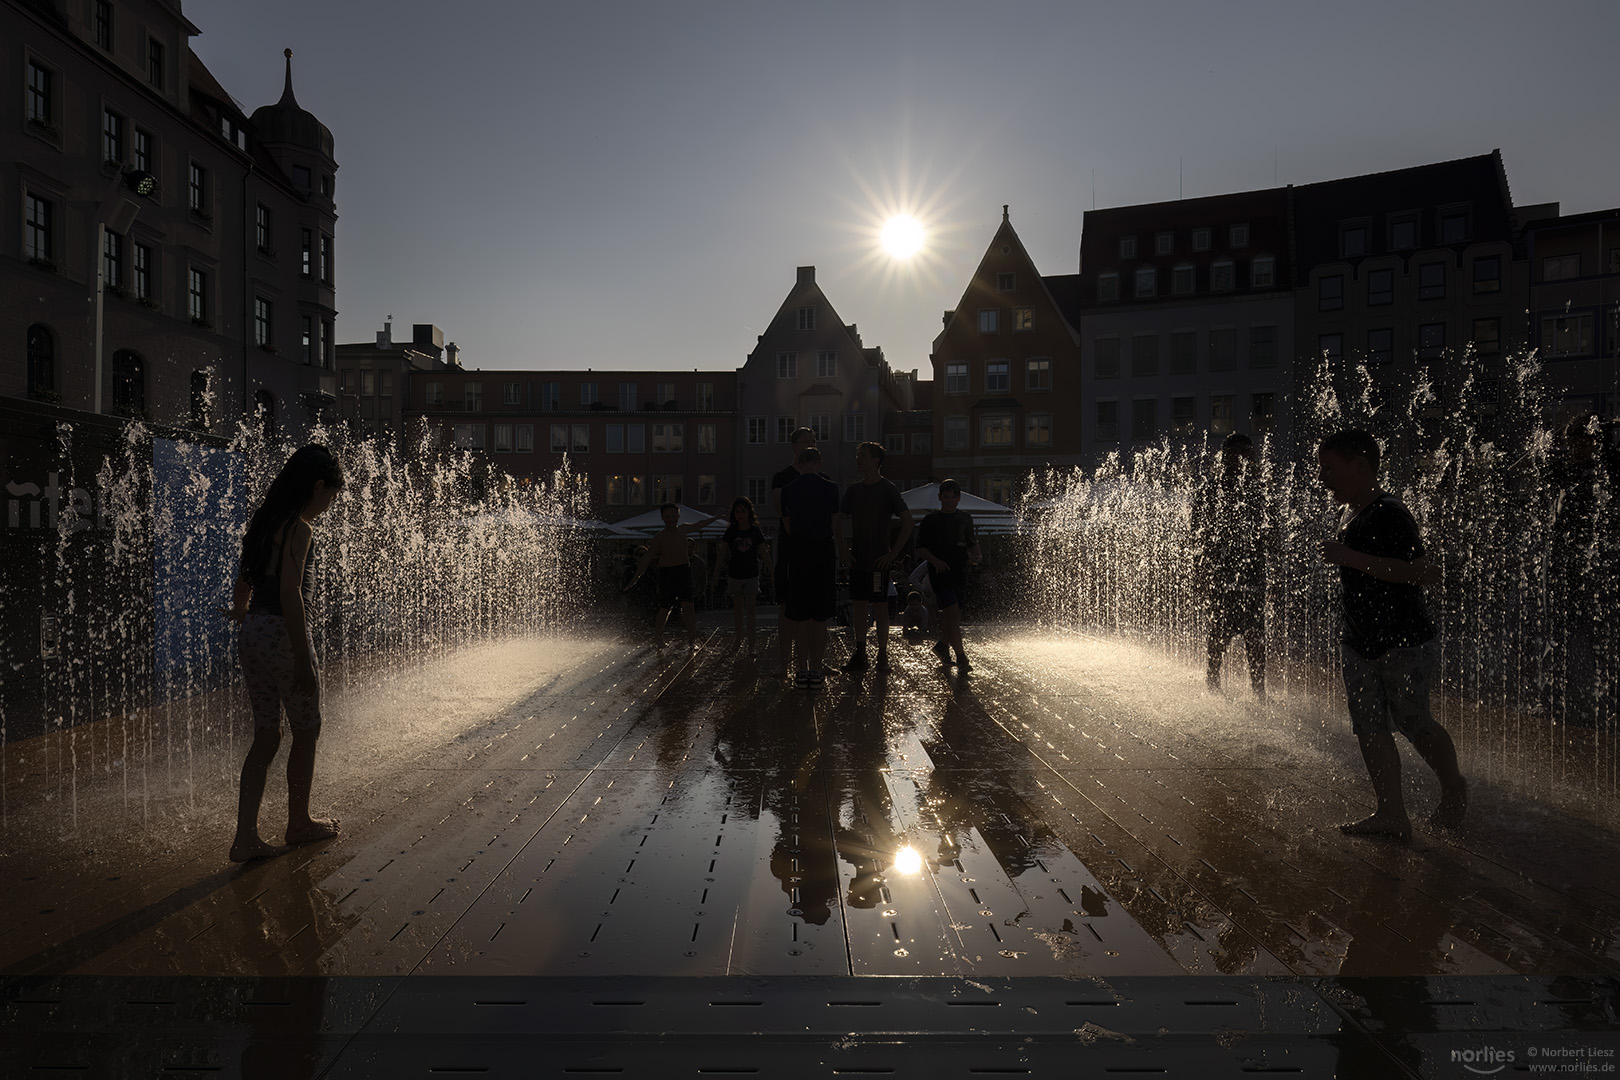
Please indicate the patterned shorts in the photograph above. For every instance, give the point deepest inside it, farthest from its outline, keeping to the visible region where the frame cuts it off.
(1391, 693)
(267, 667)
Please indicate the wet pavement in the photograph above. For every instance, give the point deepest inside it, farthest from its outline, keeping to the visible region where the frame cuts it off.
(664, 863)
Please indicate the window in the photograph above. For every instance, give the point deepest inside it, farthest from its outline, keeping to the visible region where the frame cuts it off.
(1023, 319)
(1223, 349)
(112, 259)
(1262, 413)
(1145, 354)
(707, 443)
(197, 295)
(112, 136)
(855, 427)
(1237, 236)
(1262, 346)
(469, 436)
(820, 425)
(1330, 293)
(922, 443)
(1488, 274)
(1005, 282)
(1380, 287)
(39, 94)
(997, 377)
(1380, 346)
(472, 396)
(154, 63)
(1353, 240)
(826, 364)
(328, 345)
(523, 440)
(996, 431)
(635, 438)
(756, 490)
(142, 267)
(261, 228)
(1037, 430)
(1614, 260)
(104, 24)
(1431, 340)
(326, 184)
(38, 240)
(1107, 287)
(1144, 419)
(503, 438)
(784, 429)
(326, 259)
(432, 392)
(1487, 337)
(1566, 335)
(1558, 267)
(787, 365)
(301, 177)
(894, 444)
(1183, 352)
(551, 397)
(262, 321)
(1200, 239)
(307, 243)
(1127, 247)
(956, 378)
(989, 320)
(667, 488)
(956, 433)
(1330, 347)
(1403, 233)
(587, 394)
(1163, 243)
(1453, 226)
(627, 397)
(143, 151)
(807, 318)
(668, 438)
(1222, 275)
(705, 397)
(1263, 272)
(368, 383)
(998, 489)
(1038, 374)
(1146, 279)
(666, 395)
(1183, 279)
(1432, 281)
(198, 189)
(1183, 415)
(1107, 421)
(706, 489)
(41, 361)
(613, 439)
(129, 381)
(1105, 358)
(1221, 414)
(582, 439)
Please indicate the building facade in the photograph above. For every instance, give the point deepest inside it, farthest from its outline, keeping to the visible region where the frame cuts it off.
(1574, 272)
(374, 378)
(215, 290)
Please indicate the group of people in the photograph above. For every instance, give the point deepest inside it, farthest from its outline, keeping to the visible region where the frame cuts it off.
(1389, 644)
(863, 529)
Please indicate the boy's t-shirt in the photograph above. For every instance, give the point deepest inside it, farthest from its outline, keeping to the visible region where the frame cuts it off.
(780, 481)
(948, 537)
(1383, 615)
(810, 503)
(744, 545)
(871, 508)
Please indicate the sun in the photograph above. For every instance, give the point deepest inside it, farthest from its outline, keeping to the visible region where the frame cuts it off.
(903, 236)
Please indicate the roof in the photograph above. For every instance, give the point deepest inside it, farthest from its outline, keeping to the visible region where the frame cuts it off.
(286, 122)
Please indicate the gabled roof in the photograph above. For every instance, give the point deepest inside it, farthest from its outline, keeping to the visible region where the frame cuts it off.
(805, 292)
(1008, 236)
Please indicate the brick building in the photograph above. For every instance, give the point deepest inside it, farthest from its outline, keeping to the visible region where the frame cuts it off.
(1574, 272)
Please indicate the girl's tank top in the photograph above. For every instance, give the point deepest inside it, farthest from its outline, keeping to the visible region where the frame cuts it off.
(267, 589)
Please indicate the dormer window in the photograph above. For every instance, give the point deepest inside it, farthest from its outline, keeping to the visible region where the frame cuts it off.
(301, 177)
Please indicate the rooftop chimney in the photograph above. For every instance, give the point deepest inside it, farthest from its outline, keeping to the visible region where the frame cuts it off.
(807, 275)
(385, 336)
(452, 354)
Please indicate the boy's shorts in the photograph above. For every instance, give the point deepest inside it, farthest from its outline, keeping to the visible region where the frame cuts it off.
(674, 585)
(1391, 693)
(743, 586)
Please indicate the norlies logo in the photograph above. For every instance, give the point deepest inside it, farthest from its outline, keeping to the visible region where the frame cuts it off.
(1485, 1061)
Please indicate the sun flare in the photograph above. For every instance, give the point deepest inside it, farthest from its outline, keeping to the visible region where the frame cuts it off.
(903, 236)
(907, 860)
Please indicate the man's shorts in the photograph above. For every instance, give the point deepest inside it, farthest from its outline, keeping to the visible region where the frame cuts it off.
(860, 584)
(674, 585)
(743, 586)
(947, 589)
(1391, 693)
(812, 592)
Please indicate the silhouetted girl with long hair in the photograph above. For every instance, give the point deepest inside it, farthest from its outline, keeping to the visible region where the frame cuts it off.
(271, 603)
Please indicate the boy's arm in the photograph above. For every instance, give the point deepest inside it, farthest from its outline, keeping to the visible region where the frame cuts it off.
(641, 567)
(907, 524)
(1419, 571)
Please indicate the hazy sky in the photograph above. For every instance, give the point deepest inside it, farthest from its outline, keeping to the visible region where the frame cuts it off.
(632, 184)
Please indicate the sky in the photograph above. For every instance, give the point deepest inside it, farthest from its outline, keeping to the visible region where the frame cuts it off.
(632, 184)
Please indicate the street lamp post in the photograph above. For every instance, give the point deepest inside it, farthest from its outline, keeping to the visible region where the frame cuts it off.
(117, 214)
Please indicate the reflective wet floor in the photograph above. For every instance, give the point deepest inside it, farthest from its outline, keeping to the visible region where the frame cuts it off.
(1074, 847)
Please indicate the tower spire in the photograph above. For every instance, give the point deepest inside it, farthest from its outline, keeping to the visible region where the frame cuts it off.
(287, 94)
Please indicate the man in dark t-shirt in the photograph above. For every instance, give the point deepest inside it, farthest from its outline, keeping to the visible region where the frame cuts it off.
(945, 541)
(801, 440)
(815, 541)
(870, 506)
(1390, 650)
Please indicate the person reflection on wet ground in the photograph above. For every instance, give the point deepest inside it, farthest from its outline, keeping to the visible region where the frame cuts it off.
(1582, 579)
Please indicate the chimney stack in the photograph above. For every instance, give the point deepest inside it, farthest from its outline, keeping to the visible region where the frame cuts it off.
(807, 275)
(452, 355)
(385, 336)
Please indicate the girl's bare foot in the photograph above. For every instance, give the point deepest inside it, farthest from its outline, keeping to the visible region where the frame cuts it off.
(1453, 806)
(1385, 828)
(251, 848)
(310, 831)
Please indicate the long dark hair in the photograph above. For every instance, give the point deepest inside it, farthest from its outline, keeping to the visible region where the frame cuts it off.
(743, 503)
(289, 492)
